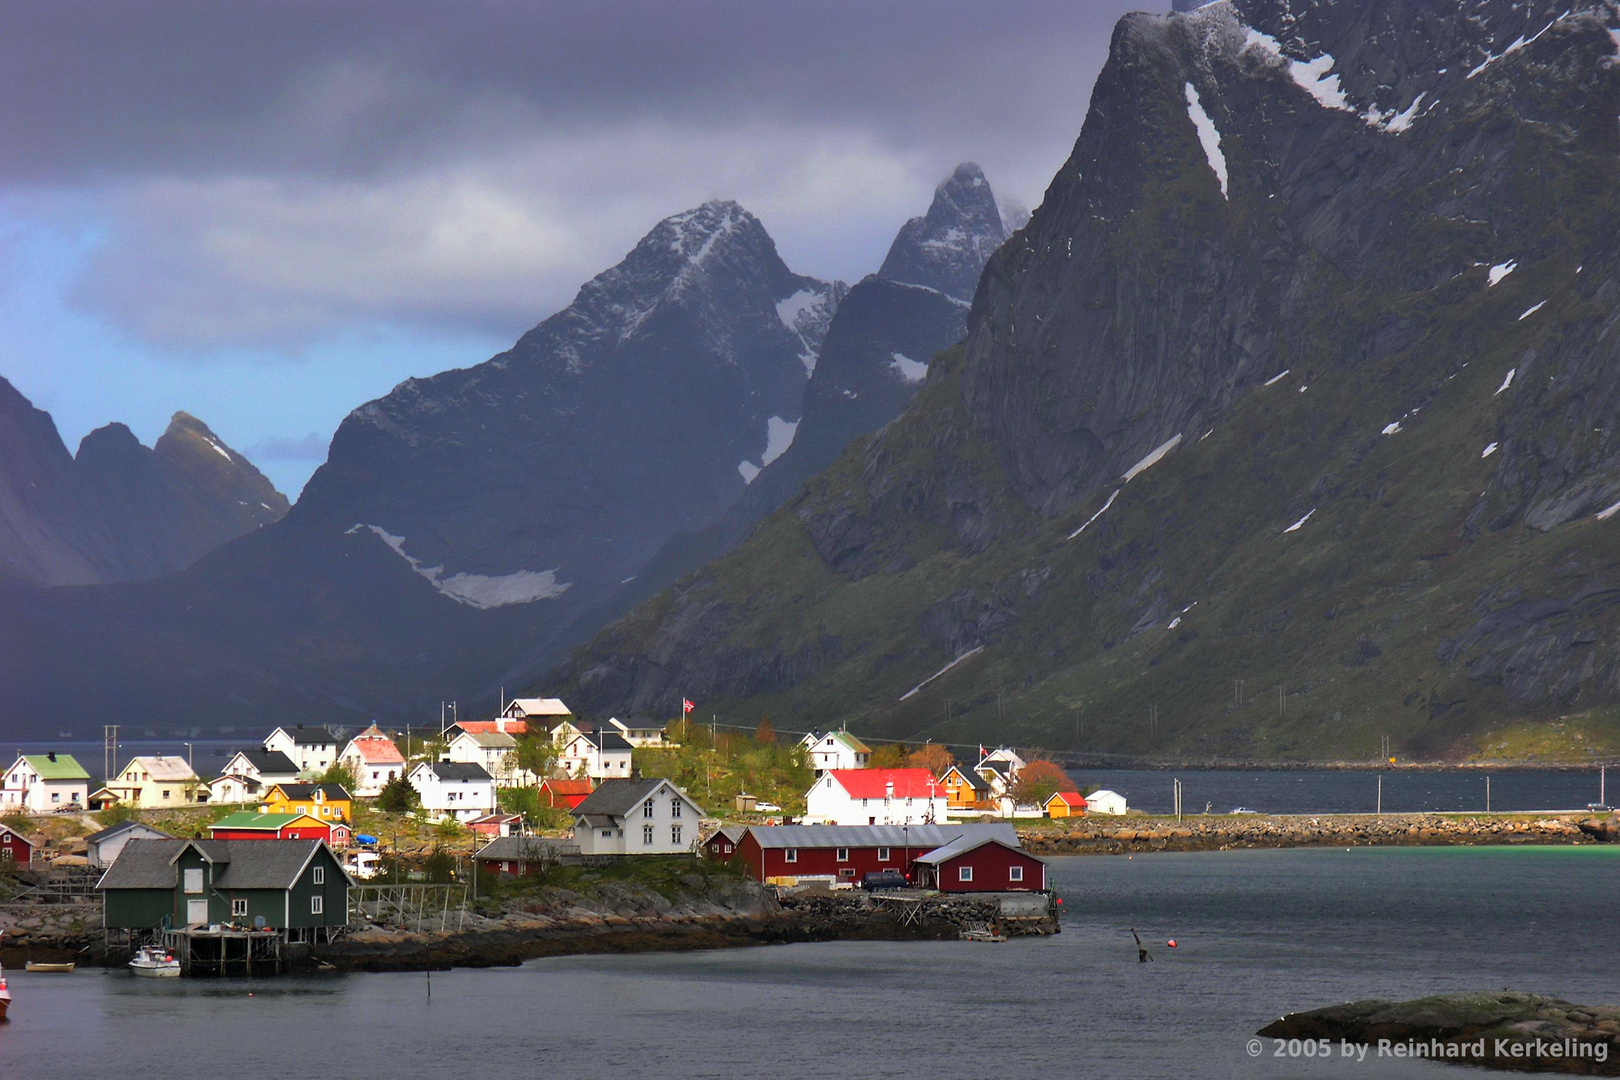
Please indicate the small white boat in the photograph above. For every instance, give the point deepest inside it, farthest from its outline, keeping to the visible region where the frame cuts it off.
(155, 963)
(5, 995)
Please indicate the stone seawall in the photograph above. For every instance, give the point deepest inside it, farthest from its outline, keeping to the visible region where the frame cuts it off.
(1102, 836)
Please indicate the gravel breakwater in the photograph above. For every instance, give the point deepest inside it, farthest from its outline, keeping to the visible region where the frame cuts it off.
(1094, 836)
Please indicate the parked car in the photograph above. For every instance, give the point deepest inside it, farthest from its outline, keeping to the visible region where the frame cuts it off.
(1243, 810)
(1599, 808)
(767, 808)
(883, 879)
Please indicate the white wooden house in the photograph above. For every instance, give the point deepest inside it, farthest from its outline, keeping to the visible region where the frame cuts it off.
(158, 780)
(636, 817)
(876, 797)
(600, 755)
(497, 753)
(374, 759)
(457, 789)
(638, 732)
(835, 750)
(312, 749)
(249, 774)
(42, 783)
(1106, 802)
(547, 710)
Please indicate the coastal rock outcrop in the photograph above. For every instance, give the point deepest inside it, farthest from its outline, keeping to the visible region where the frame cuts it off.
(1506, 1030)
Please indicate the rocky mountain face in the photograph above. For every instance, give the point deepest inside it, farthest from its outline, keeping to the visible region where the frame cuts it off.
(1286, 422)
(118, 511)
(463, 521)
(874, 358)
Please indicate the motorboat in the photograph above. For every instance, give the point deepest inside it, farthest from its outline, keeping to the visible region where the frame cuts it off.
(39, 968)
(5, 995)
(155, 963)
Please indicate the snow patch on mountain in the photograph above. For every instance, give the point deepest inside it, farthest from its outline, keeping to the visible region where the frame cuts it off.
(1501, 270)
(1151, 460)
(907, 368)
(477, 590)
(1208, 137)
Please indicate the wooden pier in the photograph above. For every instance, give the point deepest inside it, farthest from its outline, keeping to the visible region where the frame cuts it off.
(223, 950)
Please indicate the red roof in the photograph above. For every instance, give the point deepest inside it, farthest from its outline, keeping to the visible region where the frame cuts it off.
(494, 727)
(874, 783)
(1073, 798)
(375, 748)
(568, 787)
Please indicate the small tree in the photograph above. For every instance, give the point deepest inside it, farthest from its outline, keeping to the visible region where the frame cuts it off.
(888, 756)
(343, 774)
(766, 731)
(536, 752)
(1039, 780)
(398, 797)
(933, 757)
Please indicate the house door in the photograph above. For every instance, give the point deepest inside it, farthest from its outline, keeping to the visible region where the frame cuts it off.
(196, 911)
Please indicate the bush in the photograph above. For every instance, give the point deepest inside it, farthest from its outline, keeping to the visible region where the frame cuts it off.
(397, 796)
(341, 774)
(112, 815)
(1039, 780)
(933, 757)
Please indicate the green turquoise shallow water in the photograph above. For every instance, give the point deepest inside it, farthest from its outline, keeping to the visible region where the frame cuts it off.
(1258, 933)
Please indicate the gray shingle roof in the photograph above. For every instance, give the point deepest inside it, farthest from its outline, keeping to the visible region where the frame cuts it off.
(270, 762)
(307, 791)
(917, 836)
(310, 736)
(975, 781)
(967, 843)
(244, 864)
(608, 740)
(458, 770)
(615, 798)
(122, 827)
(143, 864)
(526, 848)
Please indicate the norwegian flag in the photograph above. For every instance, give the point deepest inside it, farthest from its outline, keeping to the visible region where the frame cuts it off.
(686, 706)
(983, 753)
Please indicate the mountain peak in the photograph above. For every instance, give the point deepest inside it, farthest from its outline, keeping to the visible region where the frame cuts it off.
(946, 248)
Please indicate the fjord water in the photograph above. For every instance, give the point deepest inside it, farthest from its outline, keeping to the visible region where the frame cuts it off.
(1258, 933)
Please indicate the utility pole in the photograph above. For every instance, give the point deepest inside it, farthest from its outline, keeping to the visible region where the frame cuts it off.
(1487, 794)
(1380, 794)
(1237, 692)
(109, 751)
(1282, 702)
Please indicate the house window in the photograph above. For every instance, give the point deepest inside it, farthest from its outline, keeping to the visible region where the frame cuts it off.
(847, 872)
(56, 796)
(318, 875)
(504, 867)
(674, 808)
(317, 905)
(646, 834)
(607, 833)
(165, 793)
(194, 882)
(1015, 873)
(675, 835)
(647, 809)
(238, 907)
(843, 854)
(964, 873)
(883, 854)
(790, 854)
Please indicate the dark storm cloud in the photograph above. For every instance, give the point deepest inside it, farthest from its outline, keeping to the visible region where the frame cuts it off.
(347, 89)
(271, 174)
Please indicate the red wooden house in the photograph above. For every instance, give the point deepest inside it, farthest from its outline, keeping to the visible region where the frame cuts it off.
(15, 848)
(251, 826)
(848, 853)
(493, 825)
(980, 864)
(566, 793)
(723, 844)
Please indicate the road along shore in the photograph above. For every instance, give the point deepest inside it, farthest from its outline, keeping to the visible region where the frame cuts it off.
(1104, 836)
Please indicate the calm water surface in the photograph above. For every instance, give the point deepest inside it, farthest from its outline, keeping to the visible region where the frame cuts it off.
(1259, 933)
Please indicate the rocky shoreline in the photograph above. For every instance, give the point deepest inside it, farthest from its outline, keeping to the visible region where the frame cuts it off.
(1098, 836)
(1506, 1030)
(703, 912)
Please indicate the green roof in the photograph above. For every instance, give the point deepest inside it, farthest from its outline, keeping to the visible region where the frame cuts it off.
(249, 819)
(63, 768)
(852, 742)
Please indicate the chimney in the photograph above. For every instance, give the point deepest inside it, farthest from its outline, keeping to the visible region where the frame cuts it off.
(51, 756)
(888, 790)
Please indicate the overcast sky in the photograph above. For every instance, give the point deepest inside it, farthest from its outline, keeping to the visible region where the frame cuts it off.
(269, 213)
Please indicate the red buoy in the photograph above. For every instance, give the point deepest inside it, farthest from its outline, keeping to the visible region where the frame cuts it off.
(1171, 943)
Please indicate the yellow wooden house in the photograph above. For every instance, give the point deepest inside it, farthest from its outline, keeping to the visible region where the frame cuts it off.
(158, 781)
(324, 802)
(965, 789)
(1066, 804)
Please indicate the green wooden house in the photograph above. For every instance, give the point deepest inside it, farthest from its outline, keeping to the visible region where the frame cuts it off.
(297, 886)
